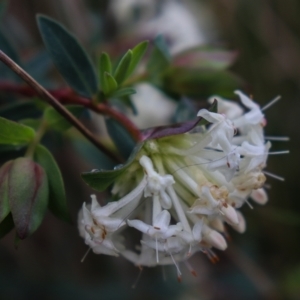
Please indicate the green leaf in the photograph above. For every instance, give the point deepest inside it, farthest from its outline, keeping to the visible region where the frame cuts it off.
(12, 133)
(6, 226)
(28, 195)
(160, 58)
(56, 121)
(4, 203)
(57, 196)
(101, 180)
(122, 70)
(123, 92)
(137, 53)
(69, 57)
(120, 136)
(109, 84)
(104, 67)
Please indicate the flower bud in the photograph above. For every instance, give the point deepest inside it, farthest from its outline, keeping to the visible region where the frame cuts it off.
(27, 190)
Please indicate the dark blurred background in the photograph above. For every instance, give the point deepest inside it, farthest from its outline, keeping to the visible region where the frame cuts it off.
(263, 263)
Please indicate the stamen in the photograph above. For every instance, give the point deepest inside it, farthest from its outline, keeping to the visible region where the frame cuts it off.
(190, 251)
(271, 103)
(138, 278)
(211, 256)
(248, 203)
(189, 267)
(277, 138)
(274, 176)
(85, 255)
(177, 268)
(278, 152)
(157, 259)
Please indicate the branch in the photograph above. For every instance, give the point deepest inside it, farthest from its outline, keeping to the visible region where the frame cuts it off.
(67, 96)
(44, 94)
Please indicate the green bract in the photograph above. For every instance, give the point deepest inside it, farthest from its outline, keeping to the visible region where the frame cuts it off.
(100, 180)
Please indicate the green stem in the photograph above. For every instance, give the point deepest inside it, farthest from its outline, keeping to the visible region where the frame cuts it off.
(39, 134)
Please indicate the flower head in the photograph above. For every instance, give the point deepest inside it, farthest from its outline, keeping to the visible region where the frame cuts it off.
(180, 191)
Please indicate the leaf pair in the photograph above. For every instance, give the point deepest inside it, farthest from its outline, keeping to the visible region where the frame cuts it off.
(112, 81)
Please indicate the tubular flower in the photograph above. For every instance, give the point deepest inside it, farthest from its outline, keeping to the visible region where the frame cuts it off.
(180, 191)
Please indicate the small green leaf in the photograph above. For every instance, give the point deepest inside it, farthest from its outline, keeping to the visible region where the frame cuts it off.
(28, 195)
(4, 203)
(121, 72)
(6, 226)
(104, 67)
(123, 92)
(101, 180)
(57, 196)
(120, 136)
(13, 133)
(137, 53)
(56, 121)
(109, 84)
(69, 57)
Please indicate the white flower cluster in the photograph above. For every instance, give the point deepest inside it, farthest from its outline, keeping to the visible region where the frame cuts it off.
(181, 190)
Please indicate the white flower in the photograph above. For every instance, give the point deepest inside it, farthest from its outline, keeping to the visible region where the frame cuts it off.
(181, 191)
(97, 224)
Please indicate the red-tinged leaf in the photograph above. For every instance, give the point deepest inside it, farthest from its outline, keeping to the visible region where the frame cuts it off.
(4, 204)
(163, 131)
(205, 58)
(28, 195)
(174, 129)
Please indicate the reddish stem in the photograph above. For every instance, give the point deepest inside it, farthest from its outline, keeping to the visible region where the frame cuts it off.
(67, 96)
